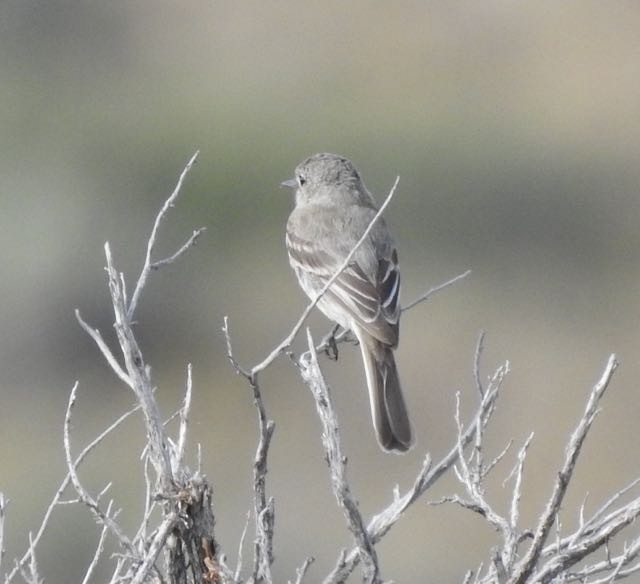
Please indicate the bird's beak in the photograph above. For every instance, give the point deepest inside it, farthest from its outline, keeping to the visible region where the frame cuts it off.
(292, 183)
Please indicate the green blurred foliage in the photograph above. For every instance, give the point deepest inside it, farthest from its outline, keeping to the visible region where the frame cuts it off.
(515, 129)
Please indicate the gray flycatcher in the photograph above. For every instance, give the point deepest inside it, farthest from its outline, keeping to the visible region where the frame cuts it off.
(333, 210)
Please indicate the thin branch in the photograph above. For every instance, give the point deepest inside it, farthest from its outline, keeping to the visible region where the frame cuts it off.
(104, 349)
(63, 487)
(193, 239)
(141, 381)
(526, 566)
(586, 546)
(182, 495)
(429, 293)
(302, 570)
(243, 535)
(514, 512)
(234, 363)
(184, 422)
(100, 515)
(381, 523)
(630, 554)
(99, 549)
(262, 507)
(32, 577)
(149, 504)
(471, 477)
(586, 526)
(151, 555)
(286, 342)
(148, 264)
(476, 363)
(605, 567)
(337, 462)
(486, 469)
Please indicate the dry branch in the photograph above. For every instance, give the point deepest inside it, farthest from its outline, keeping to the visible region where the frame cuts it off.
(337, 462)
(149, 264)
(527, 564)
(429, 474)
(182, 496)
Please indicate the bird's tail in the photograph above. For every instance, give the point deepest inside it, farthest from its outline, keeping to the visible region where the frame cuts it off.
(388, 410)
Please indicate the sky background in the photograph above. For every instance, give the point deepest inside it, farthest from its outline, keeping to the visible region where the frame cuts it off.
(515, 130)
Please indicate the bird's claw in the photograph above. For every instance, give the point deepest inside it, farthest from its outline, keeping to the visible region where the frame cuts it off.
(330, 344)
(331, 348)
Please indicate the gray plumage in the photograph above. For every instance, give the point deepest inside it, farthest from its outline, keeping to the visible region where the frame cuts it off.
(333, 210)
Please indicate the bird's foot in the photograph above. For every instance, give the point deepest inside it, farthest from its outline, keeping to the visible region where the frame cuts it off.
(330, 344)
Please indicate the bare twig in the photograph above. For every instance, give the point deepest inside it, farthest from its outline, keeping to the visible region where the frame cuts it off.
(149, 505)
(302, 570)
(337, 462)
(588, 544)
(587, 525)
(99, 549)
(185, 246)
(262, 507)
(148, 263)
(104, 349)
(151, 555)
(141, 380)
(476, 364)
(32, 576)
(429, 474)
(243, 535)
(527, 564)
(183, 497)
(606, 566)
(263, 510)
(89, 501)
(184, 422)
(555, 562)
(471, 477)
(629, 554)
(63, 487)
(514, 512)
(234, 363)
(426, 295)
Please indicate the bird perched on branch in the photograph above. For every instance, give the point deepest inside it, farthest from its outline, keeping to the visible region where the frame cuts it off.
(333, 210)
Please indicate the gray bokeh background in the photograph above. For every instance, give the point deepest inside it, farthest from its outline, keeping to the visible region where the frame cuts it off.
(515, 129)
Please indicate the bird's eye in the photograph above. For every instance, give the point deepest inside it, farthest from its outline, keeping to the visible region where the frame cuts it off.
(301, 180)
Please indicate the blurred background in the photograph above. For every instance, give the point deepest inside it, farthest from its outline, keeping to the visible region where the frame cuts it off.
(515, 129)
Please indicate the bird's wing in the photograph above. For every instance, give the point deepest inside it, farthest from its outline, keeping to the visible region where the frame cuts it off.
(373, 304)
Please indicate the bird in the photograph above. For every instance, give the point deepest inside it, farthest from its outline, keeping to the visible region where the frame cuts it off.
(332, 211)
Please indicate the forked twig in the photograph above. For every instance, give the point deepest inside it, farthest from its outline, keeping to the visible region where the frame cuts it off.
(527, 564)
(429, 474)
(57, 498)
(102, 517)
(149, 264)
